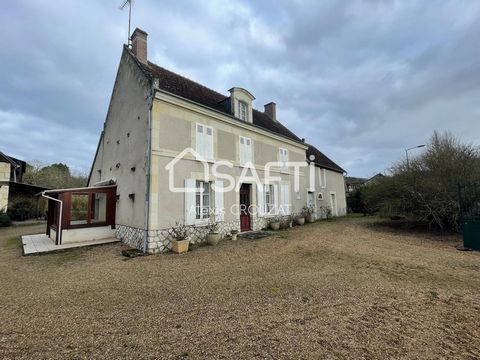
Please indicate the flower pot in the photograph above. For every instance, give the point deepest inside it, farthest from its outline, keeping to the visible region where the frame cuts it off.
(213, 238)
(275, 225)
(310, 218)
(301, 221)
(234, 235)
(180, 246)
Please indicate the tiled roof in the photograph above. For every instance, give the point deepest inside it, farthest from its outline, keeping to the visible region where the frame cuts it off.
(191, 90)
(322, 160)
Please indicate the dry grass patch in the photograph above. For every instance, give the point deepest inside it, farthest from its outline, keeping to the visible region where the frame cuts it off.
(336, 289)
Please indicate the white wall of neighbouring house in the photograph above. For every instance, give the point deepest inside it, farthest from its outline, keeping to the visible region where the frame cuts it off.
(4, 188)
(122, 151)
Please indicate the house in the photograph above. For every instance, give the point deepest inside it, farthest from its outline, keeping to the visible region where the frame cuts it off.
(174, 148)
(354, 183)
(14, 194)
(326, 186)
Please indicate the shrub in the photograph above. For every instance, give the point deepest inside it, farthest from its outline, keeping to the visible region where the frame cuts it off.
(4, 219)
(425, 190)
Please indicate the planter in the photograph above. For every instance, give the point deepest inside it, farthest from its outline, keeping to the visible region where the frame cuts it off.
(275, 225)
(310, 218)
(180, 246)
(301, 221)
(213, 238)
(234, 235)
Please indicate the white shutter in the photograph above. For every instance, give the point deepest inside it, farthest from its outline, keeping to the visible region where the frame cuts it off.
(276, 198)
(285, 198)
(248, 149)
(261, 200)
(208, 143)
(219, 205)
(189, 201)
(324, 180)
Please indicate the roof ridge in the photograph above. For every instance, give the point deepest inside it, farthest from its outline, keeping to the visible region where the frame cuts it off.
(188, 79)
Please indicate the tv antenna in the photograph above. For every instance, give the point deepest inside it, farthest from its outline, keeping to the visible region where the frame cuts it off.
(123, 6)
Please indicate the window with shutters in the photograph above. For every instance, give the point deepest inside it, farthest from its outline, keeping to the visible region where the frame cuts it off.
(283, 156)
(323, 178)
(245, 149)
(202, 200)
(269, 199)
(285, 205)
(204, 141)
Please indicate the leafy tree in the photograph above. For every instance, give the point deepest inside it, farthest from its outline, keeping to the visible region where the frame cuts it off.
(425, 190)
(56, 176)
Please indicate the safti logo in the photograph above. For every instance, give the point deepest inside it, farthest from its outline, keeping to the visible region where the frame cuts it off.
(221, 171)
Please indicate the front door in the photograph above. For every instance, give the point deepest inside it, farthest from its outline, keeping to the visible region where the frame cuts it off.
(244, 207)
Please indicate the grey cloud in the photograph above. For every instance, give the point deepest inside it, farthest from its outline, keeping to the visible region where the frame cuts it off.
(359, 79)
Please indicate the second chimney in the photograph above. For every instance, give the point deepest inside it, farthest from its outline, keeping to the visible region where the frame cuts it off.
(139, 45)
(271, 110)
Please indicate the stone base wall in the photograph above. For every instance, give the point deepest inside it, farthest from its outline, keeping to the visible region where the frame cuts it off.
(160, 241)
(131, 236)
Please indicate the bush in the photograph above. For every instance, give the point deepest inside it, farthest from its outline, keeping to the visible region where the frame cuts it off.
(425, 190)
(4, 219)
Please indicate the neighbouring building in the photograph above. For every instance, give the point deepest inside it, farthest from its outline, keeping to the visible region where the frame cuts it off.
(16, 197)
(163, 130)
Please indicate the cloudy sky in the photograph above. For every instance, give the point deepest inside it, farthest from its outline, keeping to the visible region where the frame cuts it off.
(361, 80)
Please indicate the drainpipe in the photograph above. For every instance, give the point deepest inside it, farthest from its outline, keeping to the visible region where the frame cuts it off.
(149, 158)
(60, 219)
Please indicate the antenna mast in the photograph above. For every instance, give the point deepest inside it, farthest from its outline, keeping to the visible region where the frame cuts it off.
(129, 2)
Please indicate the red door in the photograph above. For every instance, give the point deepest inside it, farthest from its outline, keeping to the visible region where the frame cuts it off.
(244, 207)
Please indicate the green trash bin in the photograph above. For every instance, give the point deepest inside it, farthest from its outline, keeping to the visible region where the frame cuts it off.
(471, 234)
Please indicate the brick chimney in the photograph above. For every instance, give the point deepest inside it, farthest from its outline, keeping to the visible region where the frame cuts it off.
(139, 45)
(271, 110)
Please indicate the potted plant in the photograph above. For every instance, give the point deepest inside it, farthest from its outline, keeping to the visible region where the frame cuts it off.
(309, 213)
(300, 218)
(213, 235)
(275, 223)
(181, 239)
(234, 234)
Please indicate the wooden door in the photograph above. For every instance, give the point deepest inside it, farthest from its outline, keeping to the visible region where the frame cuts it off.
(244, 207)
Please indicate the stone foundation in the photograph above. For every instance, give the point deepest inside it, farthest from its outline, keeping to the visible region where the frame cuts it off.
(160, 241)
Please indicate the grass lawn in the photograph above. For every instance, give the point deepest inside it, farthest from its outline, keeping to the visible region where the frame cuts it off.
(333, 289)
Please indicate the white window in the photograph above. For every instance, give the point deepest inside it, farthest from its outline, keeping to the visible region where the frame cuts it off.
(283, 158)
(204, 141)
(202, 200)
(269, 199)
(243, 111)
(245, 149)
(324, 178)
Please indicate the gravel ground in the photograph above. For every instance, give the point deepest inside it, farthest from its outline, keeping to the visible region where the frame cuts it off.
(336, 289)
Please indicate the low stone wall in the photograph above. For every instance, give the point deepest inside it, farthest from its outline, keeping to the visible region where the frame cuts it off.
(131, 236)
(160, 241)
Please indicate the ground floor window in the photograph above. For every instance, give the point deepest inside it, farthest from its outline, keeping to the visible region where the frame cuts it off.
(269, 199)
(202, 200)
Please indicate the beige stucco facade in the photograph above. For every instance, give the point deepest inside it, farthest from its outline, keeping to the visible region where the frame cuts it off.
(328, 189)
(173, 130)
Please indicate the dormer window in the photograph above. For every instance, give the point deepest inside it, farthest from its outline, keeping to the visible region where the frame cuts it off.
(241, 104)
(243, 110)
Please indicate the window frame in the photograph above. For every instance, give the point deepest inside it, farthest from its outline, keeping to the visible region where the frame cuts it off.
(200, 216)
(242, 105)
(269, 191)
